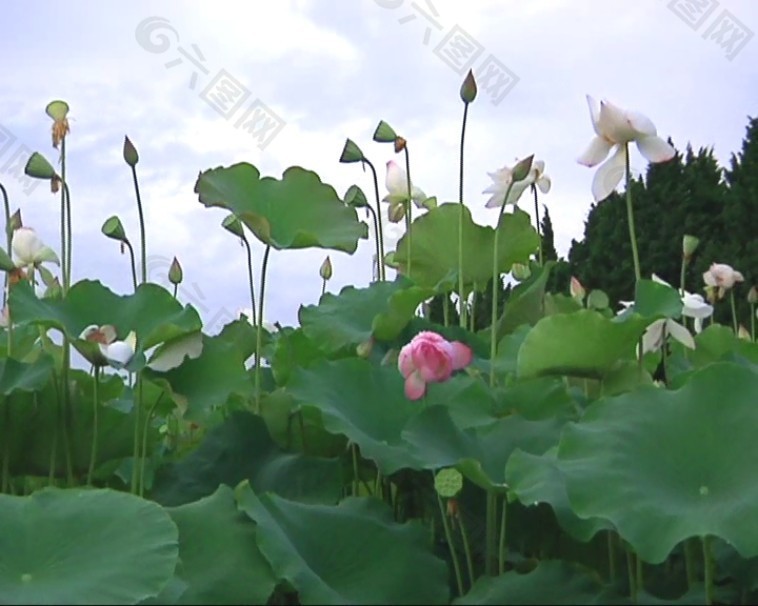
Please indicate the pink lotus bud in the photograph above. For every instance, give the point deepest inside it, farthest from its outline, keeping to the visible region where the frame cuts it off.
(576, 289)
(430, 358)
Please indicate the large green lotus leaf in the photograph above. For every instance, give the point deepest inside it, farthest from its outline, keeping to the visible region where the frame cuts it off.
(206, 382)
(152, 313)
(525, 303)
(18, 376)
(558, 303)
(354, 553)
(717, 342)
(363, 402)
(298, 211)
(537, 399)
(355, 315)
(507, 350)
(293, 350)
(653, 300)
(583, 344)
(435, 246)
(664, 466)
(220, 562)
(242, 449)
(80, 546)
(468, 398)
(535, 478)
(480, 454)
(552, 582)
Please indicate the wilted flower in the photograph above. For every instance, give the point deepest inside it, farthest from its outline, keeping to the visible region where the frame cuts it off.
(614, 127)
(58, 110)
(397, 186)
(430, 358)
(722, 276)
(520, 176)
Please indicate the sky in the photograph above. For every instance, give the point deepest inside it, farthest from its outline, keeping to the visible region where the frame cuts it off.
(279, 83)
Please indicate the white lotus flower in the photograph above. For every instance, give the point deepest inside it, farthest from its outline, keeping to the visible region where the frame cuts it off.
(614, 127)
(693, 306)
(397, 186)
(30, 250)
(503, 177)
(117, 353)
(722, 276)
(653, 338)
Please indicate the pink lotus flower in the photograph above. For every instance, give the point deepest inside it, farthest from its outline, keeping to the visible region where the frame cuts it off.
(722, 275)
(429, 358)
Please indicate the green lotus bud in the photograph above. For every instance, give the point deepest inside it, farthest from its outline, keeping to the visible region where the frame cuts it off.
(743, 333)
(752, 295)
(175, 274)
(521, 272)
(396, 212)
(355, 197)
(232, 224)
(351, 153)
(16, 221)
(468, 88)
(131, 157)
(325, 271)
(448, 482)
(6, 263)
(384, 133)
(522, 168)
(689, 245)
(38, 167)
(112, 228)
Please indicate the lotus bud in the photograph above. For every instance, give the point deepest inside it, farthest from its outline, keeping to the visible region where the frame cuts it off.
(175, 274)
(112, 228)
(400, 144)
(468, 88)
(384, 133)
(232, 224)
(743, 333)
(355, 197)
(131, 157)
(752, 295)
(576, 289)
(521, 272)
(689, 245)
(351, 153)
(522, 168)
(325, 271)
(16, 221)
(364, 349)
(396, 212)
(38, 167)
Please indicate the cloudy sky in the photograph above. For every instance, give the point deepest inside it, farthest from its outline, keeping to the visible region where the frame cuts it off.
(326, 70)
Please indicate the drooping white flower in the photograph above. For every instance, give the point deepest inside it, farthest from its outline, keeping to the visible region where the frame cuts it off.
(503, 177)
(396, 183)
(722, 276)
(614, 127)
(693, 306)
(30, 250)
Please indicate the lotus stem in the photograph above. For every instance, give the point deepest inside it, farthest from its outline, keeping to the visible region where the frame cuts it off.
(354, 453)
(734, 311)
(6, 444)
(467, 550)
(69, 238)
(408, 218)
(752, 321)
(376, 238)
(380, 261)
(260, 328)
(450, 544)
(143, 243)
(611, 556)
(630, 215)
(95, 406)
(502, 551)
(462, 317)
(708, 570)
(146, 428)
(491, 520)
(136, 444)
(134, 265)
(250, 276)
(537, 219)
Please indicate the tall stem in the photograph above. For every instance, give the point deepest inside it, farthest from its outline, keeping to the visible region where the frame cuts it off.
(260, 328)
(134, 264)
(67, 409)
(734, 311)
(467, 550)
(450, 544)
(250, 276)
(491, 530)
(708, 570)
(136, 443)
(495, 289)
(462, 317)
(376, 237)
(408, 217)
(9, 242)
(752, 321)
(382, 272)
(145, 430)
(681, 275)
(502, 548)
(630, 215)
(143, 244)
(95, 406)
(537, 219)
(69, 239)
(6, 444)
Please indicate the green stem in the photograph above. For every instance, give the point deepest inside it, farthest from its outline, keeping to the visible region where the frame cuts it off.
(143, 244)
(260, 328)
(450, 544)
(67, 409)
(681, 275)
(446, 310)
(143, 458)
(69, 239)
(460, 219)
(708, 570)
(689, 563)
(176, 289)
(250, 276)
(382, 271)
(466, 550)
(134, 264)
(472, 318)
(491, 530)
(630, 215)
(323, 287)
(6, 443)
(734, 311)
(640, 584)
(611, 557)
(752, 321)
(9, 242)
(630, 573)
(95, 406)
(495, 289)
(354, 453)
(408, 218)
(135, 445)
(502, 547)
(376, 238)
(537, 219)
